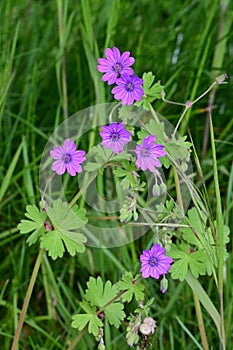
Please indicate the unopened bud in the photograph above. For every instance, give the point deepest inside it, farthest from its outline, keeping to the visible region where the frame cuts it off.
(163, 285)
(221, 79)
(156, 190)
(163, 188)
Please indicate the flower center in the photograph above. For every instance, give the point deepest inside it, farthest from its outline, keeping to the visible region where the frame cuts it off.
(66, 158)
(114, 136)
(129, 86)
(153, 261)
(117, 68)
(145, 152)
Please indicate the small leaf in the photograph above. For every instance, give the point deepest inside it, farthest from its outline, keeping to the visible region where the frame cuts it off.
(141, 135)
(156, 127)
(151, 92)
(120, 172)
(114, 314)
(195, 261)
(98, 294)
(92, 166)
(179, 269)
(179, 149)
(132, 287)
(66, 223)
(148, 79)
(121, 156)
(126, 113)
(81, 320)
(52, 241)
(35, 224)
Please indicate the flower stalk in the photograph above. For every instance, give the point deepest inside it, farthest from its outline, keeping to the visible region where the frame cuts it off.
(27, 299)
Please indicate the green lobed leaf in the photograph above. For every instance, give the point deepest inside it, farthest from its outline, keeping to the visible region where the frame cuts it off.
(66, 223)
(52, 242)
(120, 172)
(187, 259)
(141, 135)
(126, 113)
(132, 287)
(156, 127)
(122, 156)
(35, 224)
(179, 149)
(179, 269)
(99, 294)
(151, 92)
(115, 314)
(92, 166)
(148, 79)
(101, 154)
(81, 320)
(127, 173)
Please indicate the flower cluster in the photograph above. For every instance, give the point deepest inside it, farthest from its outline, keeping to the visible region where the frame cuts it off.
(117, 70)
(115, 136)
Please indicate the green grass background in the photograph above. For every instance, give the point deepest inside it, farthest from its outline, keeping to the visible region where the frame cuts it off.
(48, 58)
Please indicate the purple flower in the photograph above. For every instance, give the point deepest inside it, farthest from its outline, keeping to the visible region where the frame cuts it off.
(128, 89)
(67, 158)
(148, 153)
(154, 262)
(115, 65)
(115, 136)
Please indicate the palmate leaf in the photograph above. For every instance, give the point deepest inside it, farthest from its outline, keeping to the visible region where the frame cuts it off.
(104, 155)
(179, 149)
(35, 224)
(100, 294)
(66, 223)
(115, 314)
(195, 261)
(81, 320)
(151, 92)
(127, 174)
(126, 113)
(156, 127)
(131, 286)
(101, 154)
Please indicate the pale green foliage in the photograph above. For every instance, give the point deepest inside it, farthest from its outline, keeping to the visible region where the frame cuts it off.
(99, 297)
(66, 223)
(35, 224)
(131, 286)
(90, 317)
(152, 91)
